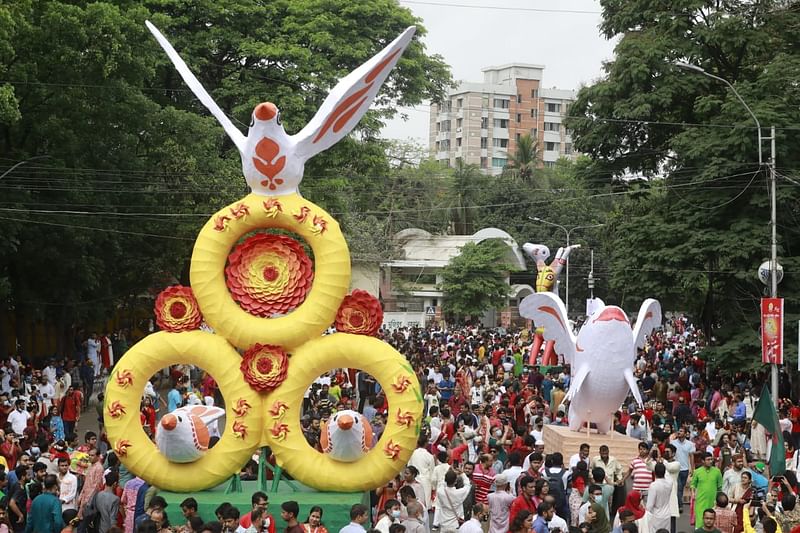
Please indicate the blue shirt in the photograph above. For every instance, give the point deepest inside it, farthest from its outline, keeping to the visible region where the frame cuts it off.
(540, 524)
(174, 400)
(683, 450)
(446, 388)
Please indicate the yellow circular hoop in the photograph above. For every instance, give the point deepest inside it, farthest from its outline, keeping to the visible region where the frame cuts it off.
(243, 413)
(331, 274)
(395, 375)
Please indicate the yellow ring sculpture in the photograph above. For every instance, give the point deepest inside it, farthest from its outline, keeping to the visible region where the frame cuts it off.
(397, 378)
(331, 275)
(243, 413)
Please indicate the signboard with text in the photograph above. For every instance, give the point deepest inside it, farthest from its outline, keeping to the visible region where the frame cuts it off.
(772, 330)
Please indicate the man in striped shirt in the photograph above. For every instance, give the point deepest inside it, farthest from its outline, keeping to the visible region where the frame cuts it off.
(641, 469)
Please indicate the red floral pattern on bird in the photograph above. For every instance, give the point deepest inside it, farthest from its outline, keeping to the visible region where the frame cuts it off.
(267, 150)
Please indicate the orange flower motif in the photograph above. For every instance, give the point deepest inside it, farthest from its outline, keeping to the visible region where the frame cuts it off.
(124, 378)
(302, 215)
(221, 222)
(359, 313)
(278, 409)
(121, 448)
(392, 450)
(319, 225)
(272, 207)
(404, 418)
(279, 431)
(177, 310)
(401, 384)
(264, 367)
(240, 211)
(116, 409)
(239, 430)
(269, 274)
(242, 407)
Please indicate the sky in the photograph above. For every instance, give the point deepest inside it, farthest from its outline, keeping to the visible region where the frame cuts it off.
(562, 35)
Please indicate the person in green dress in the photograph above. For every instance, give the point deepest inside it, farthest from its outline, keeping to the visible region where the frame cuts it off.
(706, 482)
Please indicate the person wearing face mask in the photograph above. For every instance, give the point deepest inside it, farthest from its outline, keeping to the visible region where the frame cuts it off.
(391, 515)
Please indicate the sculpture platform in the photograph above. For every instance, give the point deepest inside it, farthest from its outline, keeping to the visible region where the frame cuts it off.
(336, 505)
(561, 439)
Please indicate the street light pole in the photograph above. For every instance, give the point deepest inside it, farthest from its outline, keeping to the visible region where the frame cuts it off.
(773, 252)
(568, 231)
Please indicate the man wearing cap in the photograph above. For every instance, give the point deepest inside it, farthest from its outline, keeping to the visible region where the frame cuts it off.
(500, 505)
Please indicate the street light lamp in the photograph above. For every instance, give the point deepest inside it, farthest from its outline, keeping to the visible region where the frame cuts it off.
(773, 259)
(34, 158)
(568, 231)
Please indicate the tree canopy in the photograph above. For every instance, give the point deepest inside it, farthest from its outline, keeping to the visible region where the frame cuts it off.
(119, 164)
(681, 151)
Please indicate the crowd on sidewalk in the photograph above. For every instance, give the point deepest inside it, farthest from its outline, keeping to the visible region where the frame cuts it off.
(480, 463)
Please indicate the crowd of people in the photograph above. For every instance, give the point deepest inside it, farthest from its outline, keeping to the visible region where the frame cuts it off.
(480, 463)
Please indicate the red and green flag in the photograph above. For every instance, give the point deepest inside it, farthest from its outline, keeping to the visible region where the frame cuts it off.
(766, 415)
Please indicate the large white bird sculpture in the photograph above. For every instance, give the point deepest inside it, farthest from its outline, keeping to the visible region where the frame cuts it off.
(183, 434)
(272, 160)
(347, 436)
(602, 355)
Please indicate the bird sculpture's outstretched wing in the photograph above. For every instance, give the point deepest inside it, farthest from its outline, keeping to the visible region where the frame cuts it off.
(548, 311)
(199, 91)
(206, 413)
(349, 100)
(649, 319)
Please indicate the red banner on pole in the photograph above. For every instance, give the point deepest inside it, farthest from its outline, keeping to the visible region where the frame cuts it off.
(772, 330)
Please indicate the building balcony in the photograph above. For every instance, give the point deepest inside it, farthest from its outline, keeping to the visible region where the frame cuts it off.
(500, 133)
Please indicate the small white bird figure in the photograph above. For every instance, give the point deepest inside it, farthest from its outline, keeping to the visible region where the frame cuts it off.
(183, 435)
(602, 355)
(272, 160)
(347, 436)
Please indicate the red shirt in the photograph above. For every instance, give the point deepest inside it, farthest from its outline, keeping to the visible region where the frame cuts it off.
(247, 520)
(71, 406)
(794, 414)
(521, 503)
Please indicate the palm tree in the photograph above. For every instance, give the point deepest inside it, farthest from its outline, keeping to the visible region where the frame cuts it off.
(464, 187)
(523, 162)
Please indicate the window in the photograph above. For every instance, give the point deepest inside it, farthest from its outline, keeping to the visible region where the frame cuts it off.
(445, 145)
(499, 162)
(519, 136)
(553, 108)
(485, 101)
(552, 126)
(534, 133)
(519, 98)
(502, 103)
(519, 117)
(552, 147)
(446, 107)
(550, 164)
(459, 103)
(534, 113)
(445, 125)
(458, 142)
(534, 93)
(458, 122)
(484, 162)
(459, 161)
(484, 123)
(567, 148)
(501, 123)
(437, 146)
(484, 142)
(500, 143)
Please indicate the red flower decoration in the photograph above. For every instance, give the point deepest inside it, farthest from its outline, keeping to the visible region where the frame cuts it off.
(359, 313)
(264, 367)
(177, 310)
(269, 274)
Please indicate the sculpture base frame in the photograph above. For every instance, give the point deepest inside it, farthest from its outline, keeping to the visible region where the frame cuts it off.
(562, 439)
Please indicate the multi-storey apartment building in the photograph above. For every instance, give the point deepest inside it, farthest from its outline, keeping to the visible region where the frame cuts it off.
(479, 123)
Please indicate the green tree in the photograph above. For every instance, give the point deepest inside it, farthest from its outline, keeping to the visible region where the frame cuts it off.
(525, 159)
(135, 163)
(474, 280)
(466, 183)
(691, 228)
